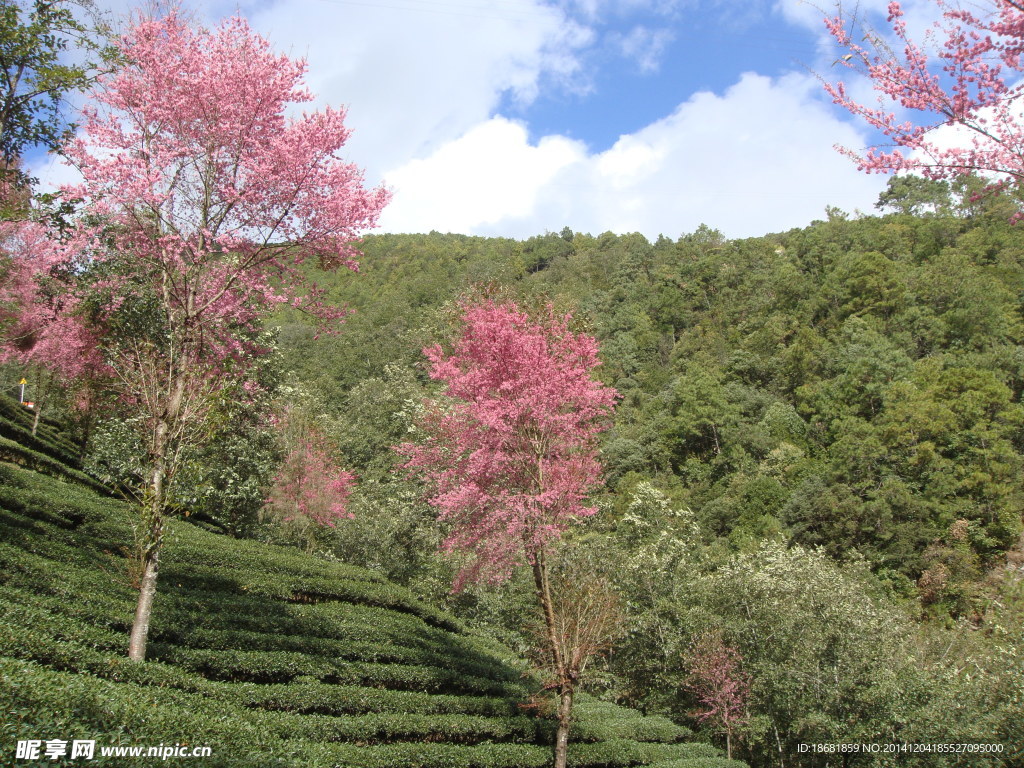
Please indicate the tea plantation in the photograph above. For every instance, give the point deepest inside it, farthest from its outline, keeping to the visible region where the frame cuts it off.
(265, 655)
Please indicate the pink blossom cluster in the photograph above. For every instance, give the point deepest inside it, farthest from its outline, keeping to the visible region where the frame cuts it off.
(192, 169)
(41, 321)
(512, 454)
(200, 204)
(719, 683)
(959, 77)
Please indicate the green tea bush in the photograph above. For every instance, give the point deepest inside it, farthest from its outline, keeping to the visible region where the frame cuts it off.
(701, 762)
(319, 698)
(614, 752)
(16, 453)
(62, 452)
(267, 655)
(16, 419)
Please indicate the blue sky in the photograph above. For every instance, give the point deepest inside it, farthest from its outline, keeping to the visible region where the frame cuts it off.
(698, 49)
(516, 117)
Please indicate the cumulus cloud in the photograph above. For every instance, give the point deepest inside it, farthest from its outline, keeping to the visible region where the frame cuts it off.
(754, 159)
(419, 74)
(490, 174)
(414, 75)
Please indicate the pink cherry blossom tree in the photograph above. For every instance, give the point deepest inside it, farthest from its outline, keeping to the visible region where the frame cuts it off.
(42, 325)
(310, 491)
(965, 76)
(511, 453)
(720, 685)
(201, 202)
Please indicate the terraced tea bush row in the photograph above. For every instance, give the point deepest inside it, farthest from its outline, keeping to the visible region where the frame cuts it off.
(419, 644)
(203, 548)
(519, 756)
(84, 611)
(281, 666)
(391, 727)
(288, 589)
(319, 698)
(349, 650)
(87, 649)
(68, 509)
(626, 752)
(606, 723)
(223, 610)
(18, 454)
(18, 610)
(203, 554)
(76, 647)
(88, 707)
(126, 714)
(24, 436)
(227, 611)
(74, 591)
(701, 762)
(439, 756)
(15, 419)
(269, 656)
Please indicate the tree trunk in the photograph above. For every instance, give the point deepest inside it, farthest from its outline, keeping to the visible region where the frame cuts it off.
(782, 761)
(564, 676)
(37, 407)
(153, 530)
(565, 696)
(144, 607)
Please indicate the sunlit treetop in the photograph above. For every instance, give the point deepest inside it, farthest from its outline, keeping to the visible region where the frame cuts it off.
(513, 455)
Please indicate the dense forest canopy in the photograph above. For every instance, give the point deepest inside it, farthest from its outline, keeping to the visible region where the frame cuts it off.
(853, 385)
(830, 411)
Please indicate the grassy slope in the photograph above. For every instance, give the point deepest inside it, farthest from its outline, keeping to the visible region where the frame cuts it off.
(270, 657)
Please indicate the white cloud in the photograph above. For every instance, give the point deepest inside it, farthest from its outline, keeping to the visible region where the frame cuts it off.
(488, 175)
(755, 159)
(414, 74)
(594, 10)
(419, 74)
(53, 173)
(644, 46)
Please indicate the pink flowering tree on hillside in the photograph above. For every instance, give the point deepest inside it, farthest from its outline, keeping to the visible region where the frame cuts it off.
(951, 105)
(310, 490)
(720, 686)
(201, 202)
(511, 454)
(42, 327)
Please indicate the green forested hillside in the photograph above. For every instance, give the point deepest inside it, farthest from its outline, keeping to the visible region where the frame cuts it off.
(265, 655)
(817, 454)
(854, 385)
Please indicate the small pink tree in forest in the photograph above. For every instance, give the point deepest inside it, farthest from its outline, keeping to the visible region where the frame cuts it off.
(512, 454)
(967, 77)
(719, 684)
(310, 490)
(201, 203)
(41, 322)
